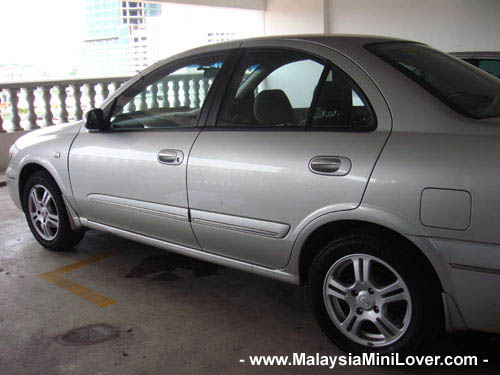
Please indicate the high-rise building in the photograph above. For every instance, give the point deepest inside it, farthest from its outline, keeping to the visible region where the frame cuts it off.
(116, 38)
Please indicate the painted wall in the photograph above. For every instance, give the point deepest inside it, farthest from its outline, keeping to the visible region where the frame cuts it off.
(450, 25)
(294, 17)
(7, 140)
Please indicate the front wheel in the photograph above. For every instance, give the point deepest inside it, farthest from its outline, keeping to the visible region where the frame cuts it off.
(46, 213)
(369, 296)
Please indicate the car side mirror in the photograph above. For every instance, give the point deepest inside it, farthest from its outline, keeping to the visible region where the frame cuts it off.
(94, 120)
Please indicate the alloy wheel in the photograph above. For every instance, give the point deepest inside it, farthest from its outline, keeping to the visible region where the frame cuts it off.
(367, 300)
(43, 212)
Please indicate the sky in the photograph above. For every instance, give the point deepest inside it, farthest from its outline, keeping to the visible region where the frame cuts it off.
(41, 31)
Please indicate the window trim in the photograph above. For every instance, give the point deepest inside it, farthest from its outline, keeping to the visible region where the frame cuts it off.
(217, 124)
(170, 67)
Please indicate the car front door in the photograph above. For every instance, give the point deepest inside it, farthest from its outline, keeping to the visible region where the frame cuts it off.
(297, 135)
(133, 175)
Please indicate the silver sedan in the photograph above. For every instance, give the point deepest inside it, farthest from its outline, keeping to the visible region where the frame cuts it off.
(362, 167)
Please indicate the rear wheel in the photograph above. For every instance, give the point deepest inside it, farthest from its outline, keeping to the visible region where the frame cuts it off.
(368, 296)
(46, 213)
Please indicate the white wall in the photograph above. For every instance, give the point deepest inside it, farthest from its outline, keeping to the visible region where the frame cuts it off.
(7, 140)
(450, 25)
(300, 89)
(294, 17)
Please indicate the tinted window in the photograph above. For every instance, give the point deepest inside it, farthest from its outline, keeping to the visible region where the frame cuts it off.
(454, 82)
(285, 88)
(169, 97)
(272, 89)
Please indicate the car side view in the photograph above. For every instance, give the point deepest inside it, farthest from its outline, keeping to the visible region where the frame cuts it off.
(358, 166)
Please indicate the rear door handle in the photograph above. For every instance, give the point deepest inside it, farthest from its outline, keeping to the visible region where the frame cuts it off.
(171, 157)
(330, 165)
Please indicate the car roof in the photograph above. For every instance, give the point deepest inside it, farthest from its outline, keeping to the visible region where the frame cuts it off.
(343, 43)
(338, 41)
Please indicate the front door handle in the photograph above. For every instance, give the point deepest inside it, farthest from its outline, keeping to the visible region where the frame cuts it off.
(171, 157)
(330, 165)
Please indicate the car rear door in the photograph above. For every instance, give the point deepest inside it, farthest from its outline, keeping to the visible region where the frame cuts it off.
(133, 176)
(278, 154)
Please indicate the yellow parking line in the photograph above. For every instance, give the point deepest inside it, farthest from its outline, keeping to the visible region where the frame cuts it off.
(79, 290)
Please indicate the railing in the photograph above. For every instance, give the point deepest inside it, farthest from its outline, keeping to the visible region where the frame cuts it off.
(31, 105)
(176, 90)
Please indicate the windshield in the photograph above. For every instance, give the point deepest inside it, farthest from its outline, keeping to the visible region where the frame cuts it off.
(460, 86)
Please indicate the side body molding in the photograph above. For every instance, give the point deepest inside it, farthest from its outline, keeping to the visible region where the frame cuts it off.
(240, 224)
(156, 209)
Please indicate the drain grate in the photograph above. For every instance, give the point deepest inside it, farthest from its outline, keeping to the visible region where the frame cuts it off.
(88, 335)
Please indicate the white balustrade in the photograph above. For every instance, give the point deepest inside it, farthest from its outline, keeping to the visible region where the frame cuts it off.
(164, 90)
(15, 119)
(31, 105)
(30, 97)
(77, 95)
(176, 93)
(63, 112)
(154, 95)
(48, 111)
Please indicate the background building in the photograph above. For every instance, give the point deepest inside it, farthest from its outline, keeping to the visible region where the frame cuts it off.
(124, 37)
(116, 38)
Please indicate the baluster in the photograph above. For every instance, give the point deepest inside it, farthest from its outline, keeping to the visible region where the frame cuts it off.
(14, 118)
(175, 89)
(204, 89)
(30, 97)
(115, 85)
(131, 105)
(185, 90)
(154, 95)
(2, 130)
(144, 104)
(63, 112)
(48, 110)
(196, 89)
(104, 90)
(91, 94)
(77, 94)
(164, 90)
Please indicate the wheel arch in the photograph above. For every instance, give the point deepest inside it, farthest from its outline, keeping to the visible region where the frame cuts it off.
(31, 167)
(28, 170)
(323, 233)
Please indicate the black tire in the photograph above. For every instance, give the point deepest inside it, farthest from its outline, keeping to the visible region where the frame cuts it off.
(426, 306)
(64, 238)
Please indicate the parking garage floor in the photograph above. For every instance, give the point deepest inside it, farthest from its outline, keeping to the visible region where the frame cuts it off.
(165, 314)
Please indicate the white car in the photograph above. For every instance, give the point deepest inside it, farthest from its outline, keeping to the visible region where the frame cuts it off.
(364, 167)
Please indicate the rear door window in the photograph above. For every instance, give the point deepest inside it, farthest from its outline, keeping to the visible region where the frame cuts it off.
(282, 88)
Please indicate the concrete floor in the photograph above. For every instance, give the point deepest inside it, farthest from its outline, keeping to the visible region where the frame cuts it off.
(175, 315)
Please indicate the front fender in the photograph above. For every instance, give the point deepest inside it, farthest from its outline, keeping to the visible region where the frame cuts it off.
(49, 149)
